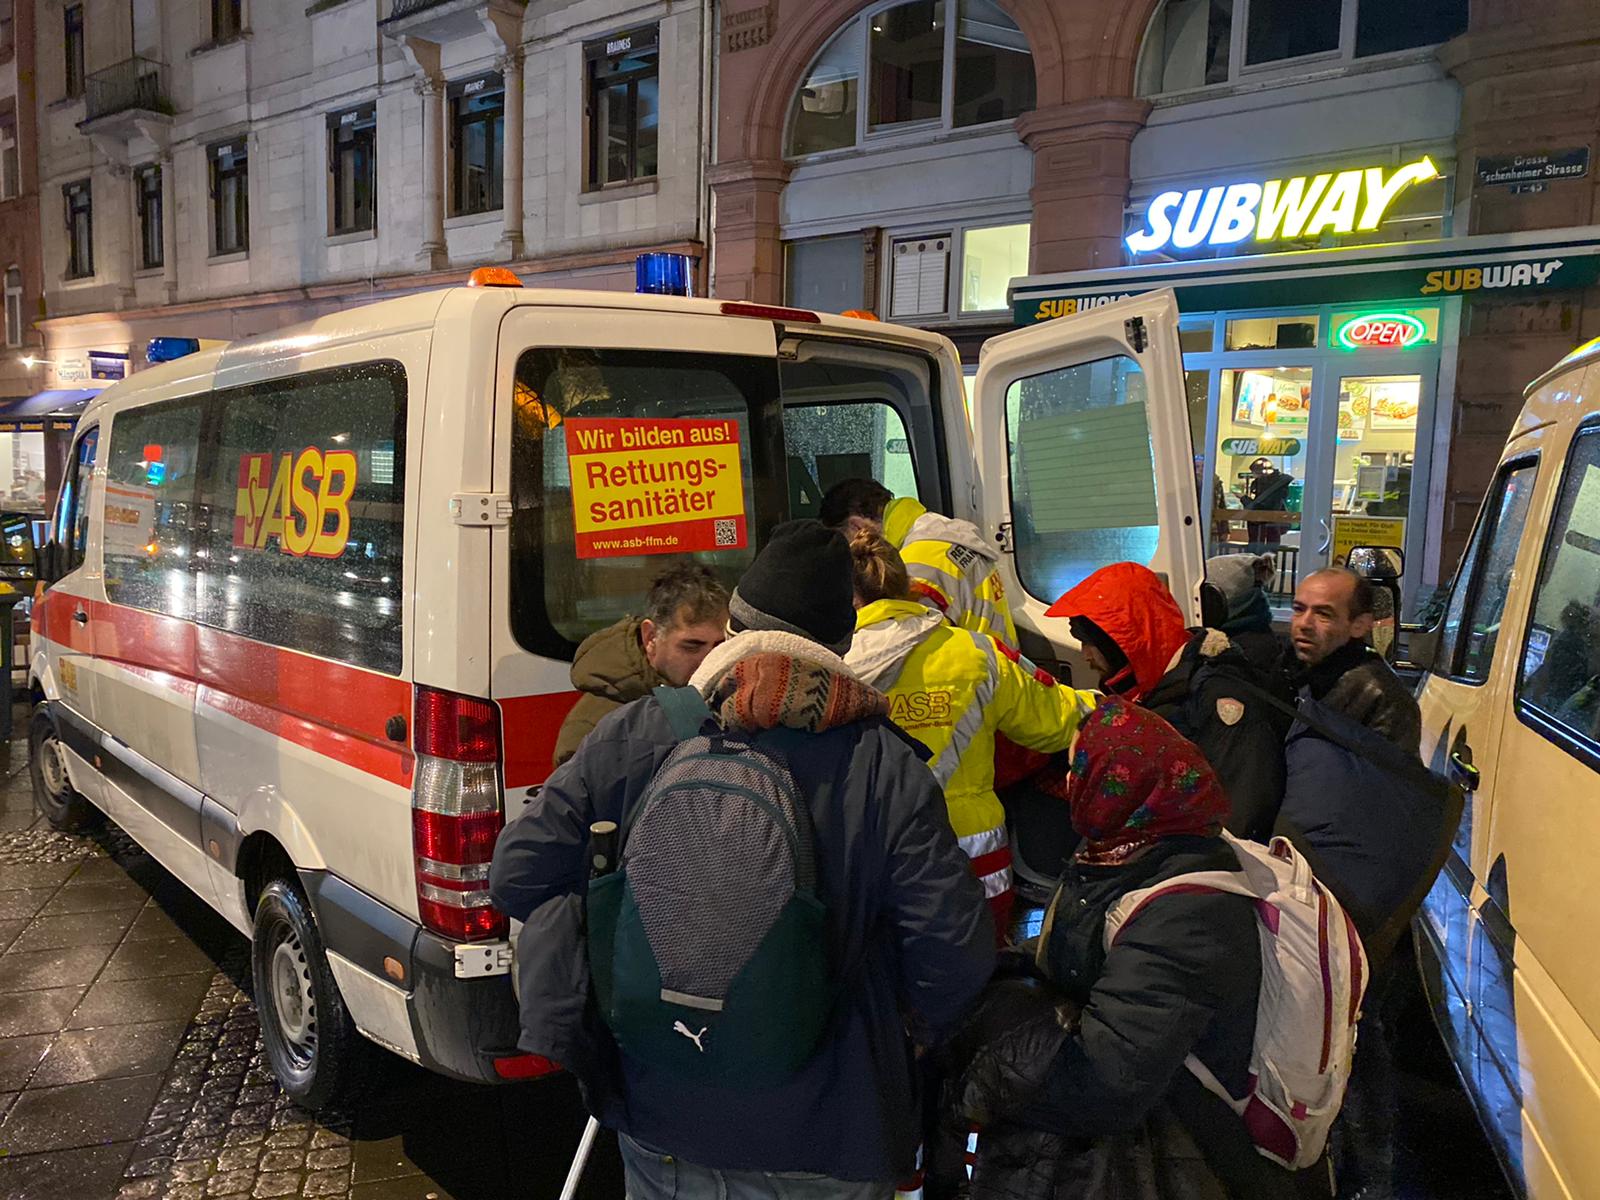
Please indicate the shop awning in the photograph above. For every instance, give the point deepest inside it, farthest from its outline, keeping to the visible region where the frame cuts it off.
(58, 407)
(1500, 264)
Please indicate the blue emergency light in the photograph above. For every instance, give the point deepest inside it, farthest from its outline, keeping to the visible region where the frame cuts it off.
(664, 274)
(166, 349)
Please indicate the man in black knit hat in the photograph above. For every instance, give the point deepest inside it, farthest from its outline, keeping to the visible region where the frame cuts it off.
(905, 920)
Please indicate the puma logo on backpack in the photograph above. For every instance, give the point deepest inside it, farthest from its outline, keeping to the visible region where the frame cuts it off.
(707, 945)
(1313, 976)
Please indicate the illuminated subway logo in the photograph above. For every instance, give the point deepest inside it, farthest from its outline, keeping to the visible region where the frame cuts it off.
(1277, 209)
(1380, 331)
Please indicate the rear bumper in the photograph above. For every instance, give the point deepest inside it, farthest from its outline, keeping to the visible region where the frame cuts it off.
(458, 1027)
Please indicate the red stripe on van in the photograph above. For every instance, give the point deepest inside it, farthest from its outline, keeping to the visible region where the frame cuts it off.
(532, 724)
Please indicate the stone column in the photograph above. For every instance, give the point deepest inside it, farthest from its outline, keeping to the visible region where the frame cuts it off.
(749, 253)
(433, 255)
(169, 228)
(510, 68)
(127, 224)
(1080, 180)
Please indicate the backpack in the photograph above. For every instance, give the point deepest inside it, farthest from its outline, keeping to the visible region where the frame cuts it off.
(1313, 976)
(707, 945)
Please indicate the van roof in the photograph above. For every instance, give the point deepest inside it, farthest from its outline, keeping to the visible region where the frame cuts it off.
(1582, 356)
(419, 311)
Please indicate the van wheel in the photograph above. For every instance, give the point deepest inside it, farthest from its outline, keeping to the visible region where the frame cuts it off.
(53, 794)
(309, 1037)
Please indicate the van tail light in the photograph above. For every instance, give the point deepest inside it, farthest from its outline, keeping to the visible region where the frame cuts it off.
(769, 312)
(456, 813)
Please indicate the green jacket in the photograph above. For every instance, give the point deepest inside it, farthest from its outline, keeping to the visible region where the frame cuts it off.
(610, 669)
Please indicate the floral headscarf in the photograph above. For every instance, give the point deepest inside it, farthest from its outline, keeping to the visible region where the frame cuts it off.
(1134, 780)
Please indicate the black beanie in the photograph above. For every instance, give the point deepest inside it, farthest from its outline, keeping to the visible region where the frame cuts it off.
(800, 583)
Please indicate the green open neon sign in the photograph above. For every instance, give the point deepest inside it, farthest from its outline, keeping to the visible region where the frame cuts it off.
(1380, 331)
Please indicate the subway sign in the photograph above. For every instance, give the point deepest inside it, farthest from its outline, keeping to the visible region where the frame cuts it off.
(1275, 209)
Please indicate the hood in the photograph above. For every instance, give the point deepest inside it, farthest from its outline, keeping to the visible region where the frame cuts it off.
(906, 520)
(611, 663)
(887, 631)
(1131, 604)
(765, 678)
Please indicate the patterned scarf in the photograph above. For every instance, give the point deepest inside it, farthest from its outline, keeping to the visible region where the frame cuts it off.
(1133, 780)
(762, 679)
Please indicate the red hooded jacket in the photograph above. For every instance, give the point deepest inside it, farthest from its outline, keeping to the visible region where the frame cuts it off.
(1131, 604)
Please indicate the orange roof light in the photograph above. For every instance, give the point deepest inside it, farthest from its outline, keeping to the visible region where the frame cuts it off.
(860, 314)
(493, 277)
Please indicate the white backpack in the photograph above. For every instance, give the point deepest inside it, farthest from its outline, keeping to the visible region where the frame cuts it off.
(1313, 976)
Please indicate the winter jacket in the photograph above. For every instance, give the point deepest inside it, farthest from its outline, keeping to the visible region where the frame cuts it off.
(610, 669)
(952, 568)
(906, 921)
(1242, 738)
(1356, 681)
(953, 690)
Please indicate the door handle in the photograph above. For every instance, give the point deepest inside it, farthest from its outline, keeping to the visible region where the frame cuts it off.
(1463, 772)
(1327, 536)
(81, 617)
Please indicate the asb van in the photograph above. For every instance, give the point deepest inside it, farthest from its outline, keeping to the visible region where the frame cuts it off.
(315, 595)
(1511, 709)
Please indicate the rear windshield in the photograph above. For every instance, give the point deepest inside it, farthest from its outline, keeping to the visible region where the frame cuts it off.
(625, 462)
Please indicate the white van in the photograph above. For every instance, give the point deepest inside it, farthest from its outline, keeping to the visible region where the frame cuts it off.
(315, 595)
(1511, 709)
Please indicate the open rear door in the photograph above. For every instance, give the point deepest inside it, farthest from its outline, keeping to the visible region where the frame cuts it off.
(1086, 458)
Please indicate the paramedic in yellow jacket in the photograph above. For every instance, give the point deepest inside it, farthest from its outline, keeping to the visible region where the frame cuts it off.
(953, 690)
(952, 567)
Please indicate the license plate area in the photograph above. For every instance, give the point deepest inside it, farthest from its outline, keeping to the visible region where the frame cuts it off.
(478, 960)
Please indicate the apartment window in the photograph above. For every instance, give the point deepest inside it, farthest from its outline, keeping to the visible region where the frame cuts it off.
(353, 165)
(80, 230)
(230, 197)
(624, 107)
(7, 28)
(991, 257)
(1196, 43)
(10, 161)
(147, 194)
(72, 42)
(477, 127)
(227, 19)
(13, 306)
(827, 274)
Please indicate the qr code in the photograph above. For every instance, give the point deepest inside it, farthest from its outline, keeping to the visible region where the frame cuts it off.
(727, 531)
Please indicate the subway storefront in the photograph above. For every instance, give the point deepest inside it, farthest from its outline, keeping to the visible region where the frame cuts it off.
(1319, 382)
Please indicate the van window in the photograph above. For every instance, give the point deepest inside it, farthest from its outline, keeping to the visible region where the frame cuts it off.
(1083, 490)
(1478, 597)
(150, 477)
(639, 506)
(72, 513)
(304, 503)
(1561, 663)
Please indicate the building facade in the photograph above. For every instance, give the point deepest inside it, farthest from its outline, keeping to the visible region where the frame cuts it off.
(903, 154)
(20, 270)
(211, 173)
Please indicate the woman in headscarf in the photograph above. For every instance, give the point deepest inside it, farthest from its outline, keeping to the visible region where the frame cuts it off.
(1103, 1105)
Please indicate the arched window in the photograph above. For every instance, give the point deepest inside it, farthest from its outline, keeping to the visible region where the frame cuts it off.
(1196, 43)
(921, 71)
(13, 306)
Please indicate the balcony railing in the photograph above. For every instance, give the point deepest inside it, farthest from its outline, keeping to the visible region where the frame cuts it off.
(409, 8)
(134, 84)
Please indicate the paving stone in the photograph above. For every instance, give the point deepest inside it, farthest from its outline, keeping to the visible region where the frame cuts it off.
(35, 875)
(141, 1189)
(66, 966)
(154, 1166)
(243, 1158)
(412, 1187)
(37, 1012)
(22, 903)
(152, 924)
(244, 1137)
(125, 1001)
(384, 1159)
(326, 1183)
(334, 1156)
(95, 897)
(197, 1171)
(79, 1114)
(185, 1191)
(283, 1160)
(8, 933)
(97, 870)
(18, 1057)
(283, 1138)
(64, 1175)
(230, 1183)
(278, 1183)
(157, 957)
(111, 1052)
(321, 1139)
(77, 929)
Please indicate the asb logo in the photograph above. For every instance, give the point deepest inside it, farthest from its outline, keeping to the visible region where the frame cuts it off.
(304, 502)
(906, 708)
(1275, 209)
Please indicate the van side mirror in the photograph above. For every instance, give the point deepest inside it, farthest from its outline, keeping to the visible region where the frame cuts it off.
(50, 562)
(1377, 562)
(1382, 566)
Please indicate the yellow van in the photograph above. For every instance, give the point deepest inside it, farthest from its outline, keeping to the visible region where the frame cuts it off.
(1511, 710)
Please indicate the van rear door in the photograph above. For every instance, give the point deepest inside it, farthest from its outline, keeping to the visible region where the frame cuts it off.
(1086, 459)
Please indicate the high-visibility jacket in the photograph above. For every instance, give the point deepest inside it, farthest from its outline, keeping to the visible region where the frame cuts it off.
(952, 568)
(953, 690)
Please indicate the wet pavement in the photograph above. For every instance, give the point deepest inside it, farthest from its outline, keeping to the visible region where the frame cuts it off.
(131, 1064)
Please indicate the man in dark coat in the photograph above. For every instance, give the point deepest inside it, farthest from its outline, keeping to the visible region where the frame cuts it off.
(906, 918)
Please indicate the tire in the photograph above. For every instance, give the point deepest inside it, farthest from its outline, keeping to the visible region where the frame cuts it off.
(310, 1040)
(53, 794)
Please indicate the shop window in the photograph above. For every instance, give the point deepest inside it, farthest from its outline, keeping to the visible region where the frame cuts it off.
(147, 194)
(72, 510)
(1281, 29)
(829, 443)
(227, 19)
(919, 281)
(1478, 597)
(1271, 333)
(1082, 473)
(22, 469)
(13, 306)
(1560, 675)
(353, 169)
(478, 142)
(990, 259)
(826, 274)
(916, 57)
(1263, 426)
(80, 229)
(72, 49)
(824, 115)
(304, 494)
(230, 197)
(624, 108)
(1383, 26)
(10, 159)
(149, 536)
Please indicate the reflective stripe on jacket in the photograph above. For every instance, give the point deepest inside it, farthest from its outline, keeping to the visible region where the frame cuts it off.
(952, 568)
